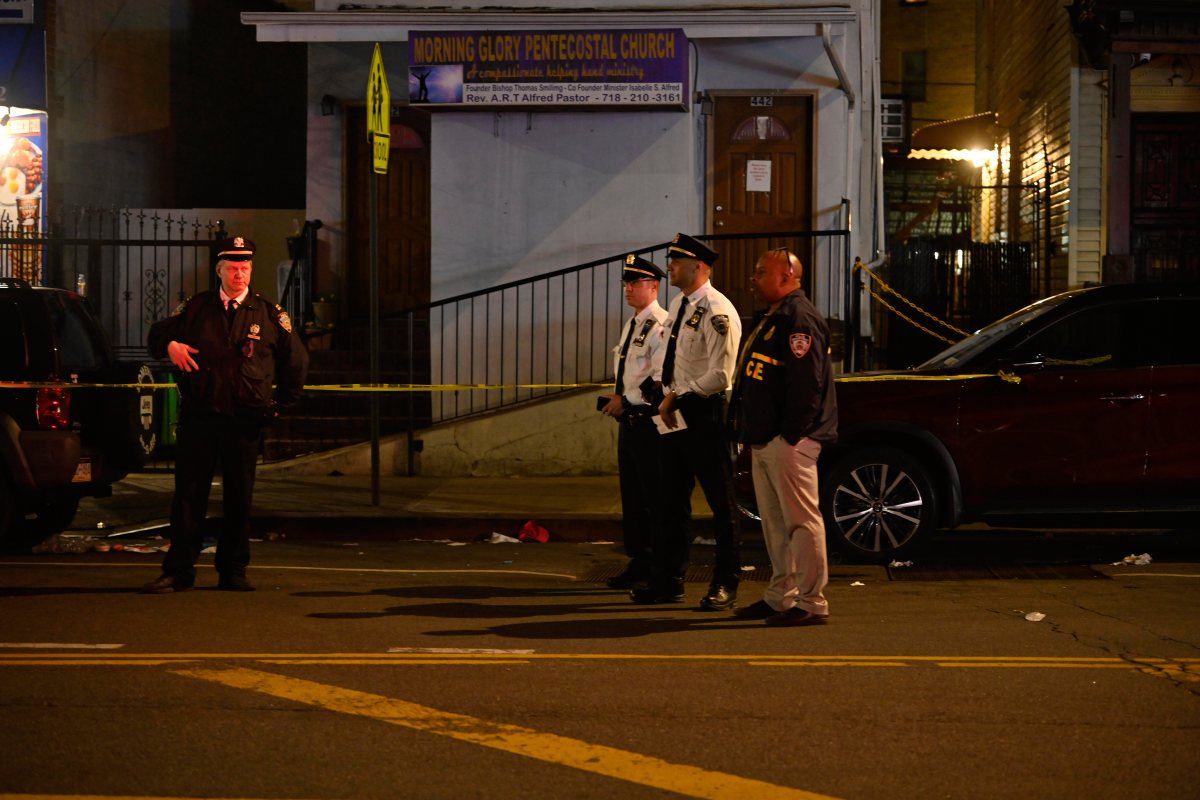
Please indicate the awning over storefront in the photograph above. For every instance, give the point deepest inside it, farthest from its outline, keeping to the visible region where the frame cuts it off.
(964, 139)
(393, 25)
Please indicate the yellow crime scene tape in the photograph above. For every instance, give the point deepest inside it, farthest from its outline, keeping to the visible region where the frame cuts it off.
(482, 387)
(860, 266)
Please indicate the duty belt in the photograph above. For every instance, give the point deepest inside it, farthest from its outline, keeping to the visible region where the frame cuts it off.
(637, 415)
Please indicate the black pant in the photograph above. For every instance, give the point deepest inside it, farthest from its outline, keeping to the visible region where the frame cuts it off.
(700, 452)
(638, 462)
(205, 441)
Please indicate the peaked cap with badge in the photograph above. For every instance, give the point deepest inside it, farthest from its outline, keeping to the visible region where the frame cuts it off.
(235, 248)
(684, 246)
(637, 269)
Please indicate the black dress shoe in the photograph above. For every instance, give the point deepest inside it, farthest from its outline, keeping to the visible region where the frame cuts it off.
(622, 581)
(653, 593)
(756, 610)
(719, 598)
(166, 584)
(796, 617)
(234, 583)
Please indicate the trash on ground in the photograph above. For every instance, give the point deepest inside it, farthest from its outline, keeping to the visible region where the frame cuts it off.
(748, 568)
(532, 532)
(58, 543)
(456, 544)
(901, 564)
(500, 538)
(1035, 616)
(1133, 560)
(858, 583)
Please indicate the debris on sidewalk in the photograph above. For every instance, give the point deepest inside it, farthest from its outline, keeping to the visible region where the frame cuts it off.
(1133, 560)
(901, 564)
(1035, 616)
(533, 532)
(858, 583)
(500, 538)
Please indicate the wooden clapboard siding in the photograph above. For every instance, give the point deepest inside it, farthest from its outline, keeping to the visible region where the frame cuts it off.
(1087, 177)
(1029, 60)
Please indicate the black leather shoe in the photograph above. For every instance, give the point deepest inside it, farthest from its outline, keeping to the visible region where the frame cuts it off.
(166, 584)
(622, 581)
(653, 593)
(234, 583)
(756, 610)
(719, 598)
(796, 617)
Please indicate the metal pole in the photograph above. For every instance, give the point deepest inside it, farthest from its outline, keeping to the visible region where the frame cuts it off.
(373, 202)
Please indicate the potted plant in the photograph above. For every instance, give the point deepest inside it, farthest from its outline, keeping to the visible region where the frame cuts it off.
(325, 309)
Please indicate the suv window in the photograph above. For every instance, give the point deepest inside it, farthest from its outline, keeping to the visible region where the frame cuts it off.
(1105, 337)
(1173, 332)
(14, 357)
(78, 347)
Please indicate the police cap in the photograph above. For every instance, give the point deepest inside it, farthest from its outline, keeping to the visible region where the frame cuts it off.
(235, 248)
(684, 246)
(638, 268)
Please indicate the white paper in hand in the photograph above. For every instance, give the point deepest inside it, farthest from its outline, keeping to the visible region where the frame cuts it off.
(662, 426)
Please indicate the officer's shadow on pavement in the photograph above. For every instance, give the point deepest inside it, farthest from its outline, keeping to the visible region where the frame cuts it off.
(476, 602)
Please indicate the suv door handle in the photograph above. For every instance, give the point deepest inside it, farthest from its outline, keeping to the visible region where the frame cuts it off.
(1123, 398)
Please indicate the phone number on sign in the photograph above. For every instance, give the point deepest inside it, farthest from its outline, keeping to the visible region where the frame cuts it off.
(572, 94)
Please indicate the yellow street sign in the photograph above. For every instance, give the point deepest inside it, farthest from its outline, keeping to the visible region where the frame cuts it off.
(379, 113)
(381, 145)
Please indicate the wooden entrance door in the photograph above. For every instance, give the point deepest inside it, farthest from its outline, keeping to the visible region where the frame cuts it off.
(762, 176)
(404, 216)
(1165, 207)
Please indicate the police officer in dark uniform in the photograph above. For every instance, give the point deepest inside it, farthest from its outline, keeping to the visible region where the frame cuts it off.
(634, 405)
(785, 409)
(240, 364)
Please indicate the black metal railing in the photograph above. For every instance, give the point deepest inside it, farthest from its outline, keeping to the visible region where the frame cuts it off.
(540, 336)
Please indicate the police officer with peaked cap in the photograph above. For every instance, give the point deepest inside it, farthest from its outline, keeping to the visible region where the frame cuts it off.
(240, 362)
(634, 405)
(697, 371)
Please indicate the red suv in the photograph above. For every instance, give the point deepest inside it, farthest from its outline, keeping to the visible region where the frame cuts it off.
(1077, 411)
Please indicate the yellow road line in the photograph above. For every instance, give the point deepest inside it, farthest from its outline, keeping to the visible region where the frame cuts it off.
(1027, 661)
(549, 747)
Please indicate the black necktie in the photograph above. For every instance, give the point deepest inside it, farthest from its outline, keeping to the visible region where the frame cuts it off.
(669, 361)
(233, 304)
(621, 358)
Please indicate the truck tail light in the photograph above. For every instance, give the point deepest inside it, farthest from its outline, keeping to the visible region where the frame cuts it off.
(53, 408)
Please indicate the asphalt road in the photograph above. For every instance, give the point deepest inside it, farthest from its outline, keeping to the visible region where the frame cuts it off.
(389, 669)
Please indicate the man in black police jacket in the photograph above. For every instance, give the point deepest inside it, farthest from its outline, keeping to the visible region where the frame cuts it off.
(240, 364)
(786, 409)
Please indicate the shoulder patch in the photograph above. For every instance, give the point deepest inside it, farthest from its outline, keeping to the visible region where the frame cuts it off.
(285, 321)
(800, 342)
(720, 323)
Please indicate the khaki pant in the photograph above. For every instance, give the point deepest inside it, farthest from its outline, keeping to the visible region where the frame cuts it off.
(785, 486)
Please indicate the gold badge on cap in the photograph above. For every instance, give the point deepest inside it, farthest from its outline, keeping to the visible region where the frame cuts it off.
(239, 241)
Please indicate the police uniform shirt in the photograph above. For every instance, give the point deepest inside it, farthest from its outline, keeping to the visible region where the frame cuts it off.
(645, 351)
(707, 344)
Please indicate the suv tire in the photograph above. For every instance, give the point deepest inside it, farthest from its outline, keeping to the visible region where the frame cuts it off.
(879, 504)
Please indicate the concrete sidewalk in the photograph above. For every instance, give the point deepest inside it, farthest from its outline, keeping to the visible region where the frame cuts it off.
(571, 508)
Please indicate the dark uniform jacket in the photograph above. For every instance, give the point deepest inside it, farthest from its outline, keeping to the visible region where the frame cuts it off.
(239, 363)
(784, 386)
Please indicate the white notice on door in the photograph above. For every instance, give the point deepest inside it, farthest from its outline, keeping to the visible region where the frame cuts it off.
(758, 176)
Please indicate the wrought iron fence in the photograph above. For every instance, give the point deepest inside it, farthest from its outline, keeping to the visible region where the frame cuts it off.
(477, 352)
